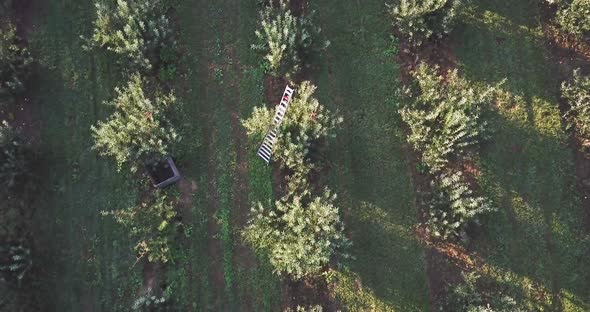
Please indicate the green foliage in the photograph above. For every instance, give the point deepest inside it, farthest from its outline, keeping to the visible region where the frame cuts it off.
(287, 40)
(467, 297)
(453, 205)
(138, 131)
(152, 224)
(306, 124)
(15, 61)
(574, 16)
(136, 30)
(15, 262)
(444, 115)
(299, 234)
(444, 118)
(577, 94)
(168, 63)
(421, 20)
(14, 158)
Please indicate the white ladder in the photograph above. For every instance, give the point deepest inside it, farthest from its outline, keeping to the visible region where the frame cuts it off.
(265, 150)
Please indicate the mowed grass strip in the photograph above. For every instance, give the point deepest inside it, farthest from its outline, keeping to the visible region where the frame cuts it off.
(85, 258)
(358, 79)
(259, 289)
(189, 277)
(536, 241)
(224, 83)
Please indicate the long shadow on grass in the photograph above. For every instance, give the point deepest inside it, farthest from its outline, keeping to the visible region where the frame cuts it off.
(358, 78)
(378, 204)
(527, 169)
(537, 233)
(492, 46)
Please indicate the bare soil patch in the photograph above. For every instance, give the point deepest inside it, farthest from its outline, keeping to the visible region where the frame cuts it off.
(570, 44)
(24, 15)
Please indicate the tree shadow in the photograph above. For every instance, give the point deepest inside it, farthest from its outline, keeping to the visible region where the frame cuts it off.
(537, 231)
(496, 43)
(370, 175)
(527, 168)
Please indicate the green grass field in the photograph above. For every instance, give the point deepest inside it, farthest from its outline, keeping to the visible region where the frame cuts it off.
(358, 78)
(85, 258)
(535, 243)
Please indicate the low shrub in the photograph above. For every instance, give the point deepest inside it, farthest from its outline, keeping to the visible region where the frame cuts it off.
(422, 20)
(299, 234)
(577, 94)
(152, 224)
(15, 262)
(15, 61)
(453, 206)
(573, 16)
(136, 30)
(444, 115)
(286, 40)
(139, 130)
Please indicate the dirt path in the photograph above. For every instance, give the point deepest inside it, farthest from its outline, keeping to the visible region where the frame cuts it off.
(441, 270)
(24, 113)
(188, 189)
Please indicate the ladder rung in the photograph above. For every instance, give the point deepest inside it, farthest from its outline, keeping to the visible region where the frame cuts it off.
(264, 157)
(264, 154)
(270, 141)
(267, 149)
(264, 150)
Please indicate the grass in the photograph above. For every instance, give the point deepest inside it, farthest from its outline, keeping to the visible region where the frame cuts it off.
(258, 284)
(85, 259)
(358, 78)
(536, 238)
(88, 252)
(535, 242)
(224, 81)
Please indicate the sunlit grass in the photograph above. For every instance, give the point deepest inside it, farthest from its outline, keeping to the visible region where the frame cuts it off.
(526, 168)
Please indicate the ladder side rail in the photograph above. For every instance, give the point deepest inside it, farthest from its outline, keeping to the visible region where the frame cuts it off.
(267, 146)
